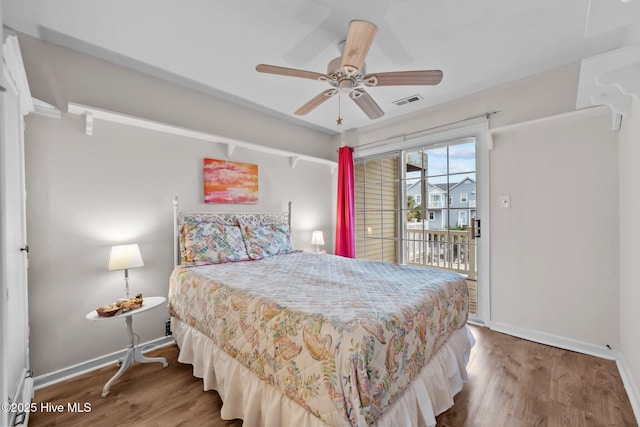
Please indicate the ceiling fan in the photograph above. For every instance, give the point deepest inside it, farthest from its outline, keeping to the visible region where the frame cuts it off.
(347, 73)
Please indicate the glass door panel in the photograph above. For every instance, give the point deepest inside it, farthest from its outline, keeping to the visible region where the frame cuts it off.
(440, 185)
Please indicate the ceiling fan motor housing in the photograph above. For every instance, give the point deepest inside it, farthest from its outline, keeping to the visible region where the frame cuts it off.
(337, 73)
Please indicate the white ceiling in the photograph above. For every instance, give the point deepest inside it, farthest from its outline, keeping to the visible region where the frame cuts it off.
(214, 46)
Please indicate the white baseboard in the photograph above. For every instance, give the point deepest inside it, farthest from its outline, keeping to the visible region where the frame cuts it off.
(64, 374)
(581, 347)
(555, 341)
(629, 385)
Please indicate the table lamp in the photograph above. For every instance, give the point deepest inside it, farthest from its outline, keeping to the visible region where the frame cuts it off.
(124, 257)
(317, 239)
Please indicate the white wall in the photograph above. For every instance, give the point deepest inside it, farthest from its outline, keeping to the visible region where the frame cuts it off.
(554, 253)
(629, 238)
(89, 192)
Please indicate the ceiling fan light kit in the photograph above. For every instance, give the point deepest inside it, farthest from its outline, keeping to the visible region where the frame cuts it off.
(345, 85)
(347, 73)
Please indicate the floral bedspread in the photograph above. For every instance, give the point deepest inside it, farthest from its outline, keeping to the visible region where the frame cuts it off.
(342, 338)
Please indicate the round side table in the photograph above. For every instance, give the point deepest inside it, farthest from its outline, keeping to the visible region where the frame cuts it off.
(133, 353)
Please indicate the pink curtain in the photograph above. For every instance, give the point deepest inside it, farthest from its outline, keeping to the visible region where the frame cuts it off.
(345, 215)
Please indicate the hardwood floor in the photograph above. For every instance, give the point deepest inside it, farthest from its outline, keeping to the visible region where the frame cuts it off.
(513, 382)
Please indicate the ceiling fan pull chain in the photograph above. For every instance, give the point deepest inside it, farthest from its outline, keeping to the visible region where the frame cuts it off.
(339, 120)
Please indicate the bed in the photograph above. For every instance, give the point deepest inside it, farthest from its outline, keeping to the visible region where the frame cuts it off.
(293, 338)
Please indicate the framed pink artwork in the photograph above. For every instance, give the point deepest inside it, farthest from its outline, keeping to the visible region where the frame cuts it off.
(230, 182)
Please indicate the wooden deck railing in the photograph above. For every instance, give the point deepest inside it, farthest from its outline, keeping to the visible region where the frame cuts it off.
(454, 250)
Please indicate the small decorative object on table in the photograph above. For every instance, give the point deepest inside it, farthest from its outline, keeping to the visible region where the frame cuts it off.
(120, 306)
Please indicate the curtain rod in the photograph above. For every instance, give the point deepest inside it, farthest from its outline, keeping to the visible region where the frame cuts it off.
(486, 115)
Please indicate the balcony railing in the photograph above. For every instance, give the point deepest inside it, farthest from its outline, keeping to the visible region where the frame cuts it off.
(453, 250)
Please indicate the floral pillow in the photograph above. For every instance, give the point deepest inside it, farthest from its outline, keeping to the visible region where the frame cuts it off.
(263, 240)
(211, 243)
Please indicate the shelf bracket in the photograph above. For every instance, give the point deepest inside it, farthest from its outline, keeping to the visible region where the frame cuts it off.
(88, 122)
(293, 160)
(230, 149)
(611, 79)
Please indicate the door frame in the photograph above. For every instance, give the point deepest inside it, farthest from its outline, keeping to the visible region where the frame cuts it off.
(479, 131)
(16, 383)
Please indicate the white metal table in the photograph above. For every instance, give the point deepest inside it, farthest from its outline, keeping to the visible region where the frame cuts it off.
(133, 352)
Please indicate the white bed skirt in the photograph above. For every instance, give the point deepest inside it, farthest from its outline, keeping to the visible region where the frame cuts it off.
(260, 404)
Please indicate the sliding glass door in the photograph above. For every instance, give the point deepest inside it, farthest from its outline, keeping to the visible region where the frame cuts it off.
(416, 204)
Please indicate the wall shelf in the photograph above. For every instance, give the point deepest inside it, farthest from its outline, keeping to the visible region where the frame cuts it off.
(570, 115)
(91, 114)
(612, 79)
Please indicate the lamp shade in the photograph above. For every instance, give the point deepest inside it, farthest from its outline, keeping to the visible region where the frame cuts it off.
(122, 257)
(317, 238)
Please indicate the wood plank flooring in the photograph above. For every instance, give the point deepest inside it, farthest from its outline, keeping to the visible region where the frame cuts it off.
(513, 383)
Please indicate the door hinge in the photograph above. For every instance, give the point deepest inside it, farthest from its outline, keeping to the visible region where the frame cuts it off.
(21, 417)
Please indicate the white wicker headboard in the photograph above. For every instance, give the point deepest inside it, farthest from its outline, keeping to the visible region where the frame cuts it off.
(230, 218)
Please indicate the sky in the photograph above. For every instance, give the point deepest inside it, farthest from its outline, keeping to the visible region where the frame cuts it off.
(461, 160)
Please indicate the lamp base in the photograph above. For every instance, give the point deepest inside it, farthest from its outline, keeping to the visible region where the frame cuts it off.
(126, 282)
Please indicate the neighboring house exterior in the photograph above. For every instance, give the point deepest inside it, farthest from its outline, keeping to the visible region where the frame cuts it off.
(460, 201)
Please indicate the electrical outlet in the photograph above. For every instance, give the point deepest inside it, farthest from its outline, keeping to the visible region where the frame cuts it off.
(167, 328)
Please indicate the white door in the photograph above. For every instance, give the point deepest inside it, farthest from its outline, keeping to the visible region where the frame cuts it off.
(16, 386)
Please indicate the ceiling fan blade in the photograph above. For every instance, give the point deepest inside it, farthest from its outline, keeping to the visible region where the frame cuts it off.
(315, 101)
(366, 103)
(291, 72)
(359, 39)
(404, 78)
